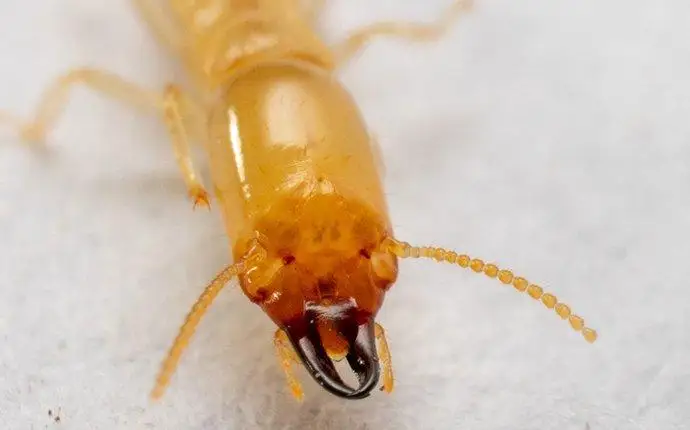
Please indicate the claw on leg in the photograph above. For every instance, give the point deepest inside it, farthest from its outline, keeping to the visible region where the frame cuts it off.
(200, 198)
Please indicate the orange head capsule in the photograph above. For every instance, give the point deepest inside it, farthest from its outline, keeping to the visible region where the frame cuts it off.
(322, 281)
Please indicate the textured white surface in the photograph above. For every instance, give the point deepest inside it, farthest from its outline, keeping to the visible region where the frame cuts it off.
(552, 136)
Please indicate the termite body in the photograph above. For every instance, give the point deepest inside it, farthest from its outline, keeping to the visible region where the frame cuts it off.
(295, 174)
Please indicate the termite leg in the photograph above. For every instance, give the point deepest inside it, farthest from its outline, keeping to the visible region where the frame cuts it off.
(162, 27)
(385, 357)
(181, 115)
(287, 356)
(356, 41)
(55, 99)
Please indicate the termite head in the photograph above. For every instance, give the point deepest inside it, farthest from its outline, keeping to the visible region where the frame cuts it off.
(325, 295)
(326, 302)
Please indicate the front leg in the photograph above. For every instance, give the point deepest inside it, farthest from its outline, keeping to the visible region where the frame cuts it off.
(287, 356)
(386, 362)
(183, 118)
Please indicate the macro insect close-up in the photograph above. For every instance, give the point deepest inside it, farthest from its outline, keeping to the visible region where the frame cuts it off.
(303, 177)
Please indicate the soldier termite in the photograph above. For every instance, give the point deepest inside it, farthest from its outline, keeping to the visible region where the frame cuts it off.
(295, 177)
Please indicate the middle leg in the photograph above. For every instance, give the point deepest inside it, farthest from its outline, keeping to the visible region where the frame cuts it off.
(287, 356)
(183, 117)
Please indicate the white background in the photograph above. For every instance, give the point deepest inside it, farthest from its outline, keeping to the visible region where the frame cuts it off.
(551, 136)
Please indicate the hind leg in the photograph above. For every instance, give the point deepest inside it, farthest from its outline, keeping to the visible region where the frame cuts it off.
(181, 115)
(358, 40)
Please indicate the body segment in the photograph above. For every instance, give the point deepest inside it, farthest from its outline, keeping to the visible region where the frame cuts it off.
(224, 36)
(285, 133)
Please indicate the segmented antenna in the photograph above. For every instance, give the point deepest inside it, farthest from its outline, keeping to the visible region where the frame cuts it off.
(194, 316)
(405, 250)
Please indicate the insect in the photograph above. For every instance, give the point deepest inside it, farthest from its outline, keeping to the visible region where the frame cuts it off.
(295, 174)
